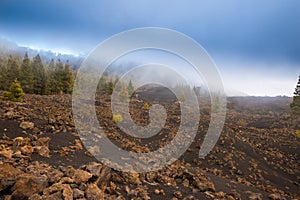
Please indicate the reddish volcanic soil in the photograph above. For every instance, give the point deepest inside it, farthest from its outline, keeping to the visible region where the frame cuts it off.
(256, 157)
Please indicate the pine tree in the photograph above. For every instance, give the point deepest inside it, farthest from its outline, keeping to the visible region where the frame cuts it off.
(13, 71)
(295, 105)
(68, 79)
(123, 94)
(40, 77)
(130, 88)
(15, 92)
(101, 84)
(51, 76)
(26, 75)
(109, 86)
(197, 91)
(3, 75)
(59, 77)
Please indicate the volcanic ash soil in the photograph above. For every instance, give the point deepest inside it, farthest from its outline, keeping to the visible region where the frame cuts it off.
(42, 156)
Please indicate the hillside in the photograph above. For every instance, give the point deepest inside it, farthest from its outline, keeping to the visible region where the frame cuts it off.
(41, 156)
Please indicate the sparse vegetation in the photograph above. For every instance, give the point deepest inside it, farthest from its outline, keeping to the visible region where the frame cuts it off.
(216, 104)
(130, 88)
(34, 77)
(146, 105)
(295, 105)
(117, 118)
(15, 92)
(123, 94)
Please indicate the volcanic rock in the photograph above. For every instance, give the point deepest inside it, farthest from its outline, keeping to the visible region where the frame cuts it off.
(26, 125)
(77, 194)
(81, 176)
(27, 185)
(42, 151)
(93, 192)
(7, 176)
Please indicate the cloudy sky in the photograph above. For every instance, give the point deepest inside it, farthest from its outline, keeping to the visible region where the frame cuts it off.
(255, 44)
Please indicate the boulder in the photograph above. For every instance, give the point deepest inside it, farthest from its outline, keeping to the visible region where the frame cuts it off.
(93, 192)
(26, 150)
(27, 184)
(67, 192)
(42, 151)
(26, 125)
(81, 176)
(255, 196)
(77, 194)
(7, 176)
(94, 168)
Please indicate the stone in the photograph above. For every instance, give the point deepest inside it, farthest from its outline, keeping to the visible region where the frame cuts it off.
(63, 190)
(9, 115)
(54, 196)
(26, 125)
(93, 192)
(7, 153)
(157, 191)
(43, 141)
(66, 180)
(177, 194)
(82, 186)
(204, 186)
(67, 192)
(104, 177)
(55, 176)
(35, 197)
(77, 146)
(94, 168)
(27, 185)
(7, 176)
(255, 196)
(276, 196)
(77, 194)
(26, 150)
(81, 176)
(42, 151)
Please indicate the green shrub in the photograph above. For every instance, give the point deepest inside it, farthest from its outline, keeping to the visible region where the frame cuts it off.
(15, 92)
(117, 118)
(146, 105)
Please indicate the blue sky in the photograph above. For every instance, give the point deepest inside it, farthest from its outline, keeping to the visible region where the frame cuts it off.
(255, 44)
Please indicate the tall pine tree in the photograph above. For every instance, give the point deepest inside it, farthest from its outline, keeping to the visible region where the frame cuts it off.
(68, 79)
(3, 74)
(26, 75)
(13, 71)
(59, 77)
(51, 76)
(130, 88)
(295, 105)
(40, 78)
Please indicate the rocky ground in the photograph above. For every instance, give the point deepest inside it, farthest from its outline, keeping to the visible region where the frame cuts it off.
(42, 157)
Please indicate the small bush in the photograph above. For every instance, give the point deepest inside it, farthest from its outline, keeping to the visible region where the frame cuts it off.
(297, 133)
(117, 118)
(146, 106)
(15, 92)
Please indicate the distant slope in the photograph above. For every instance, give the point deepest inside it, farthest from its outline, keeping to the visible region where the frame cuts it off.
(11, 48)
